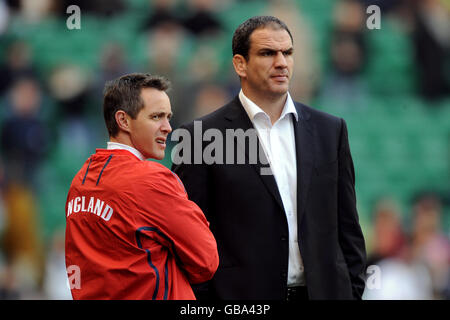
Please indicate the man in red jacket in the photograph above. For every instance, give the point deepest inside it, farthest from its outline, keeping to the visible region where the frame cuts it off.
(131, 230)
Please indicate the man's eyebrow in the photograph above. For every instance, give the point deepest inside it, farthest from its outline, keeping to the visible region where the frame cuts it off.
(160, 113)
(290, 49)
(266, 50)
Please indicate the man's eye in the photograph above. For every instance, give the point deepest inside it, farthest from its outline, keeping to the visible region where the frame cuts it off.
(156, 117)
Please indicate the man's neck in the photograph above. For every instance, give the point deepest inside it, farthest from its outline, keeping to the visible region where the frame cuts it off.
(121, 138)
(118, 143)
(270, 104)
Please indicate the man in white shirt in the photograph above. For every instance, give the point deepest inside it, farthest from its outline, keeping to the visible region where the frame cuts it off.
(294, 234)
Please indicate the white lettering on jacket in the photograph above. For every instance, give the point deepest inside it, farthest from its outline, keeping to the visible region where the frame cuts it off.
(94, 206)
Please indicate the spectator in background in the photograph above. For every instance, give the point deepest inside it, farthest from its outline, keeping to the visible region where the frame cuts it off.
(16, 65)
(204, 66)
(202, 76)
(56, 284)
(208, 99)
(24, 143)
(106, 8)
(113, 63)
(388, 237)
(202, 19)
(165, 44)
(70, 87)
(344, 84)
(34, 11)
(401, 278)
(429, 244)
(431, 37)
(24, 139)
(417, 268)
(4, 17)
(162, 12)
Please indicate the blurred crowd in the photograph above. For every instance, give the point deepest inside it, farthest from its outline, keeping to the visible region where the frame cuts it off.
(51, 120)
(413, 256)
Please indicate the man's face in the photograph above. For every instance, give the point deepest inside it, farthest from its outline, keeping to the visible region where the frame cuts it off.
(268, 70)
(149, 130)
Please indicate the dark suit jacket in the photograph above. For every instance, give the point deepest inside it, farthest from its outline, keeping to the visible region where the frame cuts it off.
(247, 217)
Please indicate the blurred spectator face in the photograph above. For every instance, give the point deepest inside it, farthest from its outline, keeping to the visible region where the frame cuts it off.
(26, 97)
(270, 63)
(19, 55)
(209, 99)
(426, 218)
(346, 56)
(349, 15)
(67, 81)
(162, 4)
(164, 45)
(35, 10)
(387, 230)
(202, 5)
(113, 58)
(204, 65)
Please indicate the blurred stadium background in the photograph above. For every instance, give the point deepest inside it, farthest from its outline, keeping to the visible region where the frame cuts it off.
(391, 85)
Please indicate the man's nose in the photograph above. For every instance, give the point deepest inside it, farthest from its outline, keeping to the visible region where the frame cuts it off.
(166, 126)
(280, 60)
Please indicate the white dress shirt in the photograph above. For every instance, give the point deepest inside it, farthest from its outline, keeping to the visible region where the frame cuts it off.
(116, 145)
(278, 142)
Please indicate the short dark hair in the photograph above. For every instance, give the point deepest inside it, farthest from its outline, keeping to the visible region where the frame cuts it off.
(241, 36)
(124, 93)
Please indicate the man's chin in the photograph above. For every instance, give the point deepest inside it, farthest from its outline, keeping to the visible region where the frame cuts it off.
(279, 91)
(279, 88)
(159, 156)
(155, 156)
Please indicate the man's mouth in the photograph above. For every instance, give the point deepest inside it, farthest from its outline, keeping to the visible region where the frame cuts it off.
(280, 77)
(161, 141)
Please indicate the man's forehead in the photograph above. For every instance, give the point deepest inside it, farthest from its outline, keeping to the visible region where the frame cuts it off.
(155, 100)
(270, 37)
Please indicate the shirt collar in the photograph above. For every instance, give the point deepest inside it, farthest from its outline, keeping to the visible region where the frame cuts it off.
(116, 145)
(252, 109)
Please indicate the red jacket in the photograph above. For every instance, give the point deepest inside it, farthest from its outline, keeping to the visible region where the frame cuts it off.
(133, 233)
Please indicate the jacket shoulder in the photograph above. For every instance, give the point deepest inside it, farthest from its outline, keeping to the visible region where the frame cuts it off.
(214, 118)
(315, 113)
(318, 116)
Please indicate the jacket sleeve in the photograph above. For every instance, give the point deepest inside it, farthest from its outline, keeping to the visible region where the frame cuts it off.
(193, 175)
(195, 179)
(351, 238)
(182, 226)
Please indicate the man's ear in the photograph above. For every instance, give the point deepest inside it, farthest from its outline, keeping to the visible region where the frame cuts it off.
(123, 120)
(240, 65)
